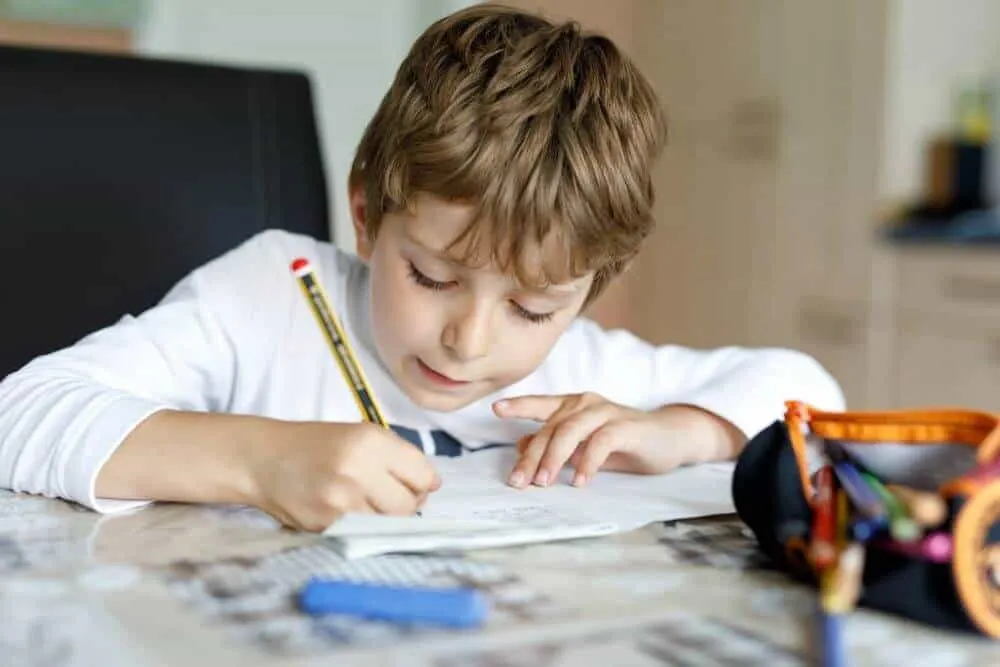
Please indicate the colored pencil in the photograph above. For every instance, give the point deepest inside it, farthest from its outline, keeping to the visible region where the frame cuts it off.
(840, 588)
(901, 525)
(934, 547)
(927, 509)
(822, 547)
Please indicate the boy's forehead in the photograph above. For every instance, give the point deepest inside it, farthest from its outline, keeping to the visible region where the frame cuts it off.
(438, 226)
(439, 221)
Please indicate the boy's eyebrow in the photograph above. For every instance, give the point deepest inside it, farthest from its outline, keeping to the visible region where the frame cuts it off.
(553, 289)
(561, 289)
(437, 252)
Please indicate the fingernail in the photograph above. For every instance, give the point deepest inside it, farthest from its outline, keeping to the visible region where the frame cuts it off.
(579, 479)
(542, 478)
(516, 478)
(500, 405)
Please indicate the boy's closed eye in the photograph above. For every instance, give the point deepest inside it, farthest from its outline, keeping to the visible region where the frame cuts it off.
(425, 281)
(422, 279)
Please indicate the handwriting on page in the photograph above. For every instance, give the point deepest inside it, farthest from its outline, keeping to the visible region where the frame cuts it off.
(475, 508)
(519, 515)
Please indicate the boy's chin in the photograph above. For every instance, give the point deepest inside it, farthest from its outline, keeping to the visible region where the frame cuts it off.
(440, 402)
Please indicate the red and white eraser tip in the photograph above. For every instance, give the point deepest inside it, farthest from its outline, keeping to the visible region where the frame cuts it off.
(301, 266)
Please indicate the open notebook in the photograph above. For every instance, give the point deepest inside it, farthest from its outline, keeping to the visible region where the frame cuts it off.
(476, 509)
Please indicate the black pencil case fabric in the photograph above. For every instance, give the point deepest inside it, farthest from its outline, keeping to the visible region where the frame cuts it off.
(937, 451)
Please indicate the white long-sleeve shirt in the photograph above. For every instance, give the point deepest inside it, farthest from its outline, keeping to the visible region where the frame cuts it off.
(237, 336)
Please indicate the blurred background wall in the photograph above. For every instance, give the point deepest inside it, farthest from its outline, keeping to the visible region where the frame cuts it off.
(827, 184)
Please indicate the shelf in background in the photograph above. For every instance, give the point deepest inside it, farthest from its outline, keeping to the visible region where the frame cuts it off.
(65, 36)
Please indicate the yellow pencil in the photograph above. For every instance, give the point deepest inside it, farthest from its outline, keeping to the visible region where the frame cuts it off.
(338, 342)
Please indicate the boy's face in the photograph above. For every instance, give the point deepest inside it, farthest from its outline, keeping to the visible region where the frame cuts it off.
(452, 334)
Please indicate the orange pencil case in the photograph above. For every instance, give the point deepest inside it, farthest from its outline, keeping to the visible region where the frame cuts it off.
(949, 453)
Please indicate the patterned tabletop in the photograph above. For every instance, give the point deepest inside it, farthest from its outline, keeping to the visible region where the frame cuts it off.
(187, 585)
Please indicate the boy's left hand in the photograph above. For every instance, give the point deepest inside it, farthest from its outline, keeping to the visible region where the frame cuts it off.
(590, 433)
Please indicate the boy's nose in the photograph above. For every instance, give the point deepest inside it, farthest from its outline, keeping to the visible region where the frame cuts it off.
(467, 335)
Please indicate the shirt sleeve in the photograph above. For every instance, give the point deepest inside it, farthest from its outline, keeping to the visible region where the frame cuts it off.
(64, 414)
(746, 386)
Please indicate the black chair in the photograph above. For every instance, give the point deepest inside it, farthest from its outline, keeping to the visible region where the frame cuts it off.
(120, 175)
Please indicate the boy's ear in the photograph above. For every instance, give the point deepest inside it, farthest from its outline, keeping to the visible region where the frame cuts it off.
(358, 206)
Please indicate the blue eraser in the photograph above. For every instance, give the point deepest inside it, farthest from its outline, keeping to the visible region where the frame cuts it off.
(452, 607)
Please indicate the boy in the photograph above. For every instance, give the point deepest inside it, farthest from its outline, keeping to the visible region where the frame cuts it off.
(503, 181)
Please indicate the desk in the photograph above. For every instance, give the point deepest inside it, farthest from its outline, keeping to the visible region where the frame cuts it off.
(186, 585)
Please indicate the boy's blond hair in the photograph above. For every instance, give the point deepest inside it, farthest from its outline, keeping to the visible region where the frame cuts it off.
(543, 128)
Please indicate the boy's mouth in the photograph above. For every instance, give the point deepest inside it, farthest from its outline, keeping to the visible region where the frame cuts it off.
(439, 378)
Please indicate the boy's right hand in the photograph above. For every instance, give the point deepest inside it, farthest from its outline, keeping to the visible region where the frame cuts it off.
(321, 470)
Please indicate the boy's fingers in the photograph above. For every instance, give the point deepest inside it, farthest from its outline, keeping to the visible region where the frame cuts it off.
(592, 456)
(535, 445)
(565, 440)
(418, 482)
(422, 500)
(390, 496)
(574, 460)
(345, 495)
(537, 407)
(527, 465)
(524, 470)
(411, 466)
(418, 475)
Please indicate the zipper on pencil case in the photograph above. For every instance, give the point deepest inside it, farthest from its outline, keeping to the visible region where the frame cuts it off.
(945, 426)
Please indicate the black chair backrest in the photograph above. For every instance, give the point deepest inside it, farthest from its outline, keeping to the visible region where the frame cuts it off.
(119, 175)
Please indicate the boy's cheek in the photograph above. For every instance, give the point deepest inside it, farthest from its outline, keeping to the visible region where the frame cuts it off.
(395, 313)
(410, 317)
(521, 356)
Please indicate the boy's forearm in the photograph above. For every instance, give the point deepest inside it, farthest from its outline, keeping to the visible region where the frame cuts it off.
(189, 457)
(710, 437)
